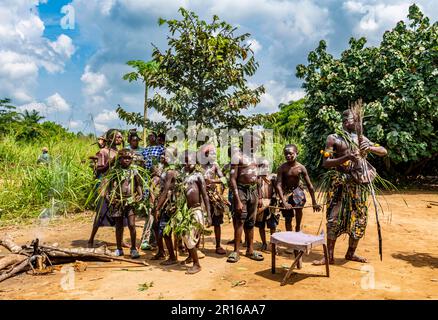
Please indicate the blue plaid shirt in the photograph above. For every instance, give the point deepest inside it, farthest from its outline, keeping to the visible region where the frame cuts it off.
(152, 153)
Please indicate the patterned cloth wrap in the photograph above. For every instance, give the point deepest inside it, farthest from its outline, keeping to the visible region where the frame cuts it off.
(347, 210)
(192, 238)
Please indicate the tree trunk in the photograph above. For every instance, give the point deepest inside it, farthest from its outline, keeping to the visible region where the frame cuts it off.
(9, 244)
(19, 268)
(145, 113)
(10, 260)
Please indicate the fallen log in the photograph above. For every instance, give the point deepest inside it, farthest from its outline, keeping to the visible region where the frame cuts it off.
(9, 244)
(23, 266)
(81, 253)
(11, 259)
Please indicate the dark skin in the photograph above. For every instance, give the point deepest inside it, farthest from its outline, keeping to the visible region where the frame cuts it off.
(267, 191)
(342, 153)
(152, 140)
(288, 178)
(125, 163)
(245, 172)
(213, 175)
(168, 187)
(196, 193)
(105, 158)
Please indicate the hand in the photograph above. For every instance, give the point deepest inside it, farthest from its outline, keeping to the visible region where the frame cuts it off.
(316, 207)
(239, 206)
(209, 221)
(287, 206)
(365, 146)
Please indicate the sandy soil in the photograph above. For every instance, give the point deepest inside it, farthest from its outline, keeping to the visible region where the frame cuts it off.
(409, 269)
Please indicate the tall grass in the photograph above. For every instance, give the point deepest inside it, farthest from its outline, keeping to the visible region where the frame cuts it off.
(28, 189)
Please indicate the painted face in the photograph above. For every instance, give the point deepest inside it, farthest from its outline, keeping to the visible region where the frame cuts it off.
(290, 154)
(348, 122)
(210, 155)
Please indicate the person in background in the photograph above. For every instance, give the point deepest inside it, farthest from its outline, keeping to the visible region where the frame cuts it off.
(44, 158)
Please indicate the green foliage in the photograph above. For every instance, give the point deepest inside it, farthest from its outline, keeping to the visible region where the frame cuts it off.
(204, 74)
(30, 190)
(289, 121)
(398, 83)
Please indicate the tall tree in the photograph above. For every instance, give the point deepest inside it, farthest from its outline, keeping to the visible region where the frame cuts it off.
(204, 73)
(397, 81)
(146, 72)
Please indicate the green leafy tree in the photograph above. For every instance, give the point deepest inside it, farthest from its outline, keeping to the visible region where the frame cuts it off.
(204, 73)
(289, 121)
(8, 116)
(146, 72)
(398, 83)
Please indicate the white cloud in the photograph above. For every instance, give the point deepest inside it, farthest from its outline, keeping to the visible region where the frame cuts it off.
(101, 128)
(376, 17)
(275, 94)
(106, 116)
(52, 105)
(56, 103)
(24, 50)
(63, 45)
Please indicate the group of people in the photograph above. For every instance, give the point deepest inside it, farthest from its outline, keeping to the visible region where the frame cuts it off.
(133, 175)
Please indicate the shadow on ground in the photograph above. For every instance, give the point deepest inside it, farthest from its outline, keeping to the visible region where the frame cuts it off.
(418, 259)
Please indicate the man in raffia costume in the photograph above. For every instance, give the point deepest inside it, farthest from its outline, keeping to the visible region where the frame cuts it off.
(348, 192)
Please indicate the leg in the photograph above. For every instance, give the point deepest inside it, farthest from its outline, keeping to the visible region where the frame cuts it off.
(217, 234)
(262, 232)
(352, 245)
(196, 266)
(327, 268)
(249, 236)
(299, 217)
(161, 253)
(169, 244)
(288, 224)
(331, 248)
(132, 231)
(119, 232)
(93, 234)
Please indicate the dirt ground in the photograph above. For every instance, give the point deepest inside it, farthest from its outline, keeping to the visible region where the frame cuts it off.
(409, 269)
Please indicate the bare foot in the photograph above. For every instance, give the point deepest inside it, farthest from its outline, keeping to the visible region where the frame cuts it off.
(322, 262)
(356, 258)
(193, 270)
(90, 244)
(220, 250)
(168, 262)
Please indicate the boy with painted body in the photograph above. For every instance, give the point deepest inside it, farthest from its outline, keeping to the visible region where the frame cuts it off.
(195, 190)
(123, 189)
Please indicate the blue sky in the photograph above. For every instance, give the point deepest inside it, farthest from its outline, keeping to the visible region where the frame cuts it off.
(72, 72)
